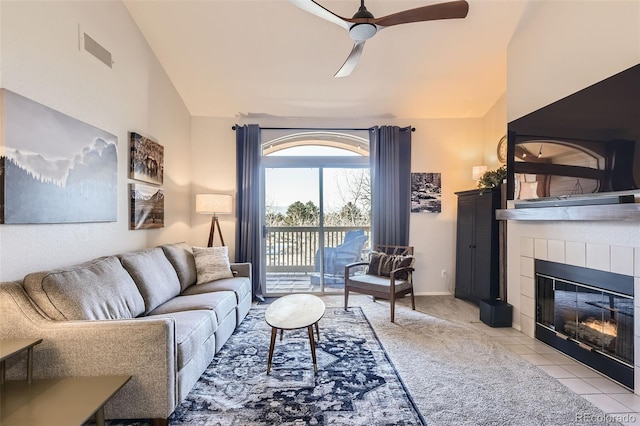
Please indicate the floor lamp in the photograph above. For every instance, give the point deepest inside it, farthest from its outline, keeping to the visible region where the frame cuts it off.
(214, 204)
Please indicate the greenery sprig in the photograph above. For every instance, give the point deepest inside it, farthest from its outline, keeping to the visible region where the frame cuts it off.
(493, 178)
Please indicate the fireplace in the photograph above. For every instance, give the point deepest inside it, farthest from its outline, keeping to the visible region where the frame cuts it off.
(587, 314)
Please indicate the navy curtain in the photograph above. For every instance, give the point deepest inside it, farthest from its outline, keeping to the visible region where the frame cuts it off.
(248, 231)
(390, 161)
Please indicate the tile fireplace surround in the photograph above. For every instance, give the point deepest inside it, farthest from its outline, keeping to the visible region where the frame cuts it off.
(608, 246)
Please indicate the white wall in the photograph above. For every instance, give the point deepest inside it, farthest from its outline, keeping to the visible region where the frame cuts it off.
(213, 154)
(448, 146)
(451, 147)
(494, 128)
(40, 59)
(559, 48)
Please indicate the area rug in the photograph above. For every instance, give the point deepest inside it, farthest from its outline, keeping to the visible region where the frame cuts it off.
(459, 375)
(356, 383)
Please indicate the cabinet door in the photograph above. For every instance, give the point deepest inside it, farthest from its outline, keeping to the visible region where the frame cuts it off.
(464, 247)
(483, 250)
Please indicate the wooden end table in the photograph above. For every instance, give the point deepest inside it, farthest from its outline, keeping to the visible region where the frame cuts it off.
(292, 312)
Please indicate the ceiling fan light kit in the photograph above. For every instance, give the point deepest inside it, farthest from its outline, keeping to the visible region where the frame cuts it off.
(364, 25)
(362, 32)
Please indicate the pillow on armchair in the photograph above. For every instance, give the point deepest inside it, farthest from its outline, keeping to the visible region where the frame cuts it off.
(381, 264)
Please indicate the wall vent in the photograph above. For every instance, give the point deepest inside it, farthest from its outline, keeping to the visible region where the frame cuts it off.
(93, 47)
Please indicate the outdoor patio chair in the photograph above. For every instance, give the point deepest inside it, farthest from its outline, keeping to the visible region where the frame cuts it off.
(336, 258)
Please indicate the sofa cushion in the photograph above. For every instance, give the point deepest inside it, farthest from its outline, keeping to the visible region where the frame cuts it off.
(241, 286)
(94, 290)
(181, 257)
(153, 274)
(193, 328)
(220, 302)
(212, 263)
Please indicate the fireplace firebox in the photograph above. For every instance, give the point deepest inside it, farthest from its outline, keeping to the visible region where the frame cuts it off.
(587, 314)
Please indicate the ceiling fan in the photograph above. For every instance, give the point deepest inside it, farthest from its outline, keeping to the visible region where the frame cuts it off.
(364, 25)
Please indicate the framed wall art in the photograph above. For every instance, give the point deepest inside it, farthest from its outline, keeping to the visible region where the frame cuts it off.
(146, 159)
(426, 193)
(53, 167)
(146, 206)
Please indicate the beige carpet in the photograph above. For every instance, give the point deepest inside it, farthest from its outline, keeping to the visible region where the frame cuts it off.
(458, 375)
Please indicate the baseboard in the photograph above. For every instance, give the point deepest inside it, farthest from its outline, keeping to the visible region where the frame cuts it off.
(434, 293)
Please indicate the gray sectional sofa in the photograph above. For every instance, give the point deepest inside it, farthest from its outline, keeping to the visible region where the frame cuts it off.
(138, 313)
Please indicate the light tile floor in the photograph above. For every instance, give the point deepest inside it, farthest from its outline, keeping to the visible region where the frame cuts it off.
(620, 404)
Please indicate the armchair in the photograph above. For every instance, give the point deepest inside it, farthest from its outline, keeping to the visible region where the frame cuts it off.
(388, 276)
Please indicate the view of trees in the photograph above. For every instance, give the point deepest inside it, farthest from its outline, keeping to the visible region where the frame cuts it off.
(354, 191)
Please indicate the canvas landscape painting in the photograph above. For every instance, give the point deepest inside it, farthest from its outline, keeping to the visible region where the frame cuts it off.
(147, 159)
(426, 193)
(53, 167)
(147, 206)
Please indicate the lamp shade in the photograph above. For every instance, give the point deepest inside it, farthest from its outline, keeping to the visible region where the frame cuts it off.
(214, 203)
(478, 171)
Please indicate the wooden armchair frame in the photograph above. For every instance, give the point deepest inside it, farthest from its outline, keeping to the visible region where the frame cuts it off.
(388, 288)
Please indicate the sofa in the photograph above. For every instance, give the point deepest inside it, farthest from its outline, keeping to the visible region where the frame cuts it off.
(139, 313)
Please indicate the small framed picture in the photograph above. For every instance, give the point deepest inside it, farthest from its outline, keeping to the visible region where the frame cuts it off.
(426, 193)
(147, 159)
(147, 206)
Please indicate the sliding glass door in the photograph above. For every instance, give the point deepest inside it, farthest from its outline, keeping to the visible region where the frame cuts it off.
(292, 228)
(316, 219)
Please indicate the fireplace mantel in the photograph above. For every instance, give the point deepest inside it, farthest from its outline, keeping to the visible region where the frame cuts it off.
(606, 212)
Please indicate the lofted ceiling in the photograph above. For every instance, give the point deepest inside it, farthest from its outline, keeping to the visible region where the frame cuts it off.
(269, 58)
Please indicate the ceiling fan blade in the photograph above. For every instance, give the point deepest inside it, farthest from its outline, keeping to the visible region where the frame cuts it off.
(449, 10)
(352, 60)
(320, 11)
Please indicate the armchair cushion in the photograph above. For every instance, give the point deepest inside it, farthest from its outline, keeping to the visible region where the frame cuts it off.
(376, 283)
(381, 264)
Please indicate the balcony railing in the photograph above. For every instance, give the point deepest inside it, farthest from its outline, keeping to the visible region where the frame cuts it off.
(294, 248)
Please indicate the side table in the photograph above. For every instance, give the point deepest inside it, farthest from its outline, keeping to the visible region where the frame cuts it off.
(11, 347)
(64, 401)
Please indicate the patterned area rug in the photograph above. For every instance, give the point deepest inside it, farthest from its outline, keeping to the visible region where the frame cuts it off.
(356, 383)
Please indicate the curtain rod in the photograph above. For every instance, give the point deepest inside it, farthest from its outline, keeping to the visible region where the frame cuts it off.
(413, 129)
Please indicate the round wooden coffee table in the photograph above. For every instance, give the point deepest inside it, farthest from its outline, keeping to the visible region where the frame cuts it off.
(292, 312)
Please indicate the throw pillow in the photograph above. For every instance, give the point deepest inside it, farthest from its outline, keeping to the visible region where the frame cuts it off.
(401, 262)
(212, 263)
(382, 264)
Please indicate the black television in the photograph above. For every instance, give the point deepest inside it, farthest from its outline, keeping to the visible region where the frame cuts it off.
(586, 143)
